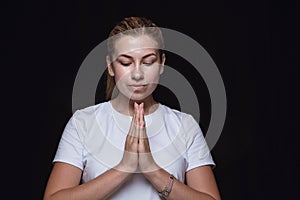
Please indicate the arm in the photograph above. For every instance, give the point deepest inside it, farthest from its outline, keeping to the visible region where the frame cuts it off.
(64, 182)
(200, 184)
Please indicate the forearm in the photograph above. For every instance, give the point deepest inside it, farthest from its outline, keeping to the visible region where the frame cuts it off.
(99, 188)
(159, 180)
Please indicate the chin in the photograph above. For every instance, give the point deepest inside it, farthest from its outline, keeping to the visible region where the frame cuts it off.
(141, 96)
(138, 97)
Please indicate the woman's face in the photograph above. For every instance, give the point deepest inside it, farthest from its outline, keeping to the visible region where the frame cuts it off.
(136, 66)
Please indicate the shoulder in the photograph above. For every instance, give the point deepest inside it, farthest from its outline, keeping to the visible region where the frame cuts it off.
(85, 117)
(89, 120)
(180, 120)
(174, 114)
(91, 111)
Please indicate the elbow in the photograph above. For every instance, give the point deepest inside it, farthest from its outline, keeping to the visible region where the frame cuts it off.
(216, 198)
(210, 197)
(48, 196)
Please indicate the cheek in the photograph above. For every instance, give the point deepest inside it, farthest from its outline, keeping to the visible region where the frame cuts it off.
(120, 75)
(153, 76)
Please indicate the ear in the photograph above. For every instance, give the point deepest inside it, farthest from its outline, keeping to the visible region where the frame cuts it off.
(109, 66)
(162, 66)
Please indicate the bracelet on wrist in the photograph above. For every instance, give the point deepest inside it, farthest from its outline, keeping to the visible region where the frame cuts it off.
(166, 191)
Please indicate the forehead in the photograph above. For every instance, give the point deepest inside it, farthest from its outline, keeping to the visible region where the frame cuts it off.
(128, 44)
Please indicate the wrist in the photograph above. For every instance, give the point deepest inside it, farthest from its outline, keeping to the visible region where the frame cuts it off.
(162, 181)
(168, 188)
(153, 172)
(149, 169)
(124, 169)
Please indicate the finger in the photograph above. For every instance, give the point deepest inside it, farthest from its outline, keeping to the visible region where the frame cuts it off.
(142, 116)
(131, 129)
(143, 141)
(142, 131)
(135, 124)
(136, 107)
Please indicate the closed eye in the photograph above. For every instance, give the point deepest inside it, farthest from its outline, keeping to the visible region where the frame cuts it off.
(148, 63)
(150, 60)
(126, 64)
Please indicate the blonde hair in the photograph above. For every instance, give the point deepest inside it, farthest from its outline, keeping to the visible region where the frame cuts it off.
(131, 26)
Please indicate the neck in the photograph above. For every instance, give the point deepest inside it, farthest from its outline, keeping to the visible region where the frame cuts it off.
(125, 105)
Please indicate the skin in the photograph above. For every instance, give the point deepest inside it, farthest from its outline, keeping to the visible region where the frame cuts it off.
(136, 61)
(136, 80)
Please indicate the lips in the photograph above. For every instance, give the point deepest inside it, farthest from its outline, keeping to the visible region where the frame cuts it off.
(138, 87)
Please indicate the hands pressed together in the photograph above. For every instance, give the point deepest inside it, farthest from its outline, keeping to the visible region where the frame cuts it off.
(137, 155)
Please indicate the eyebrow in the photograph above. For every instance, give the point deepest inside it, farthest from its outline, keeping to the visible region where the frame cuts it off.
(145, 56)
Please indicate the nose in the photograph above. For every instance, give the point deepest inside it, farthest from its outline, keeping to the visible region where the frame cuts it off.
(137, 73)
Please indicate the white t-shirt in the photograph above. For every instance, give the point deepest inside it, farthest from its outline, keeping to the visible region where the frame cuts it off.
(94, 138)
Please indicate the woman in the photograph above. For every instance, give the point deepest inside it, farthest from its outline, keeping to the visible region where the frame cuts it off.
(131, 146)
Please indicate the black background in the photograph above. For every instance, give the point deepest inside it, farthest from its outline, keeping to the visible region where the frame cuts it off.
(255, 45)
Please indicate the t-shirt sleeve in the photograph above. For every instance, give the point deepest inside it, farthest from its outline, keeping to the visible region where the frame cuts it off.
(70, 147)
(198, 153)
